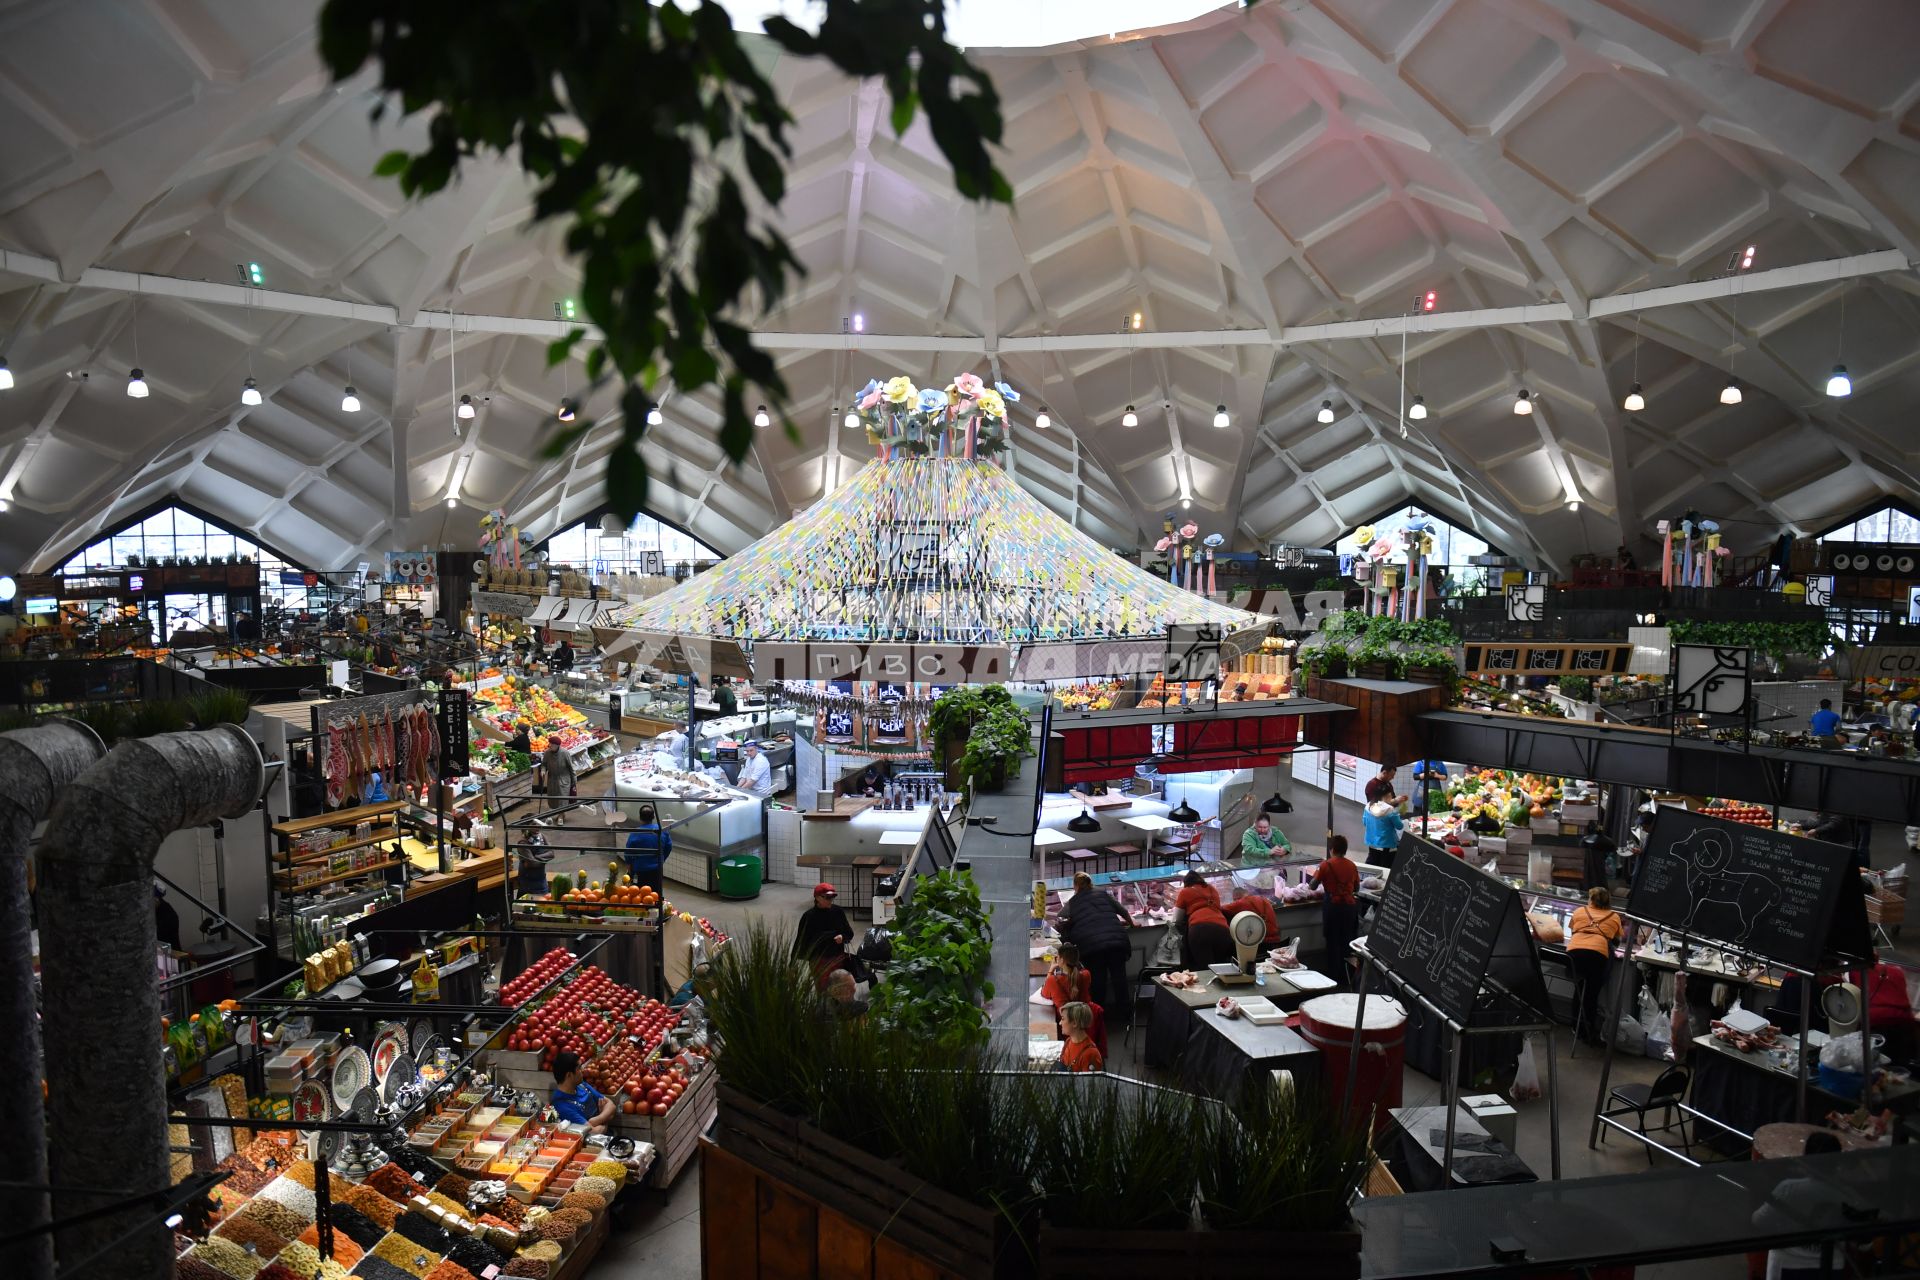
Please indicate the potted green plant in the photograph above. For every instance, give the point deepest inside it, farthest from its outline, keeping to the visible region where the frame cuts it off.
(1375, 661)
(1431, 664)
(1325, 661)
(936, 986)
(978, 735)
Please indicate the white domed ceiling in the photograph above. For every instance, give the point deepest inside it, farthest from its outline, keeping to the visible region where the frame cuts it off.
(1266, 174)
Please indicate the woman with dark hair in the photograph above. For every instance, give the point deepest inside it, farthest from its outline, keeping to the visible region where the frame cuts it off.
(1339, 879)
(1102, 931)
(1591, 932)
(1208, 941)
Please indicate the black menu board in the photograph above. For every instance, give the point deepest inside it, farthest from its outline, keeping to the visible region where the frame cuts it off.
(1441, 924)
(1786, 898)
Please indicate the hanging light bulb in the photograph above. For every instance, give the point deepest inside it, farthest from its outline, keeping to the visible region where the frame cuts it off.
(1043, 419)
(565, 411)
(1418, 410)
(655, 417)
(1220, 418)
(6, 375)
(1636, 399)
(465, 411)
(1730, 394)
(350, 402)
(1129, 418)
(760, 418)
(453, 502)
(1186, 504)
(137, 384)
(250, 392)
(1523, 403)
(1839, 384)
(1326, 412)
(1574, 505)
(851, 421)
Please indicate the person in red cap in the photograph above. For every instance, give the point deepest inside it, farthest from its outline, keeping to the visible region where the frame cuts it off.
(824, 932)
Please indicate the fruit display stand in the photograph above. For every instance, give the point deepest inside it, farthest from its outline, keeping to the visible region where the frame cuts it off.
(676, 1135)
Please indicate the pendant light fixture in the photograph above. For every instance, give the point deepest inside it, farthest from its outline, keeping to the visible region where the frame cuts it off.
(466, 410)
(6, 375)
(1326, 412)
(1086, 822)
(1277, 803)
(761, 418)
(1730, 394)
(1042, 420)
(1221, 421)
(655, 417)
(137, 379)
(1523, 403)
(565, 412)
(1184, 814)
(1220, 418)
(1418, 412)
(350, 401)
(1129, 418)
(1839, 384)
(1636, 398)
(852, 421)
(250, 392)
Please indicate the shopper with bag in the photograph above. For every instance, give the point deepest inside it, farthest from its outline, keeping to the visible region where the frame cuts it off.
(1591, 932)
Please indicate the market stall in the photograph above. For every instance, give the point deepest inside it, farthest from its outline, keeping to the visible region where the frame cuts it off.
(708, 819)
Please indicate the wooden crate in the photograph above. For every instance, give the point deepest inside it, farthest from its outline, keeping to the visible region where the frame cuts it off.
(676, 1135)
(1385, 723)
(1886, 910)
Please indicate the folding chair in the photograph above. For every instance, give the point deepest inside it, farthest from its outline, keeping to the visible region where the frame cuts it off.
(1666, 1093)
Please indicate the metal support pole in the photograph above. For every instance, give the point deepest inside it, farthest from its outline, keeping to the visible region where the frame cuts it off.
(1359, 1028)
(323, 1201)
(1449, 1095)
(1606, 1054)
(1553, 1102)
(1329, 793)
(1800, 1082)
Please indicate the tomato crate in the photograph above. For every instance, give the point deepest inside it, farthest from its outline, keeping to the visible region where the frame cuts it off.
(675, 1135)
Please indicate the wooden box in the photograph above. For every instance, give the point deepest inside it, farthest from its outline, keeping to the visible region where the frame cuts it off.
(1385, 722)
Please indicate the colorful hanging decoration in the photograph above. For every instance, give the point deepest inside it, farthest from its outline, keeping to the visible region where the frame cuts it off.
(930, 543)
(502, 543)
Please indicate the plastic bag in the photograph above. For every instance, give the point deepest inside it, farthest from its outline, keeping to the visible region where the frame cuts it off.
(1526, 1078)
(1630, 1036)
(1842, 1053)
(1286, 956)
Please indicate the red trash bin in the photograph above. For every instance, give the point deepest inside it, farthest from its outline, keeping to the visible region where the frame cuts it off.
(1327, 1023)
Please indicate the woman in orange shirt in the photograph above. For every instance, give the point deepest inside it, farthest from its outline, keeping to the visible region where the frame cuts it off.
(1080, 1053)
(1071, 982)
(1208, 941)
(1591, 932)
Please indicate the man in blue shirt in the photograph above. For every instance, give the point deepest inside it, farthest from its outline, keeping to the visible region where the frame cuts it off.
(574, 1099)
(1825, 722)
(647, 850)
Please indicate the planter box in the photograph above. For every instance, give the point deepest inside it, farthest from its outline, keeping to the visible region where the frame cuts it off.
(873, 1196)
(1152, 1255)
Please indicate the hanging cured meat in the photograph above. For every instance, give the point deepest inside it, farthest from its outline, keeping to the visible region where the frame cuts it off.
(337, 766)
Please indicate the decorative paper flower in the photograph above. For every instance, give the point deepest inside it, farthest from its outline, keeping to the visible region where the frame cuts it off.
(872, 396)
(1215, 539)
(899, 390)
(932, 400)
(1189, 529)
(1007, 393)
(1723, 551)
(1363, 535)
(967, 386)
(991, 404)
(1710, 526)
(1163, 544)
(1380, 550)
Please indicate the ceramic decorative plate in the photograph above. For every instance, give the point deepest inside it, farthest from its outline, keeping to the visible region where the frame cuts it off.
(351, 1073)
(310, 1102)
(389, 1044)
(418, 1034)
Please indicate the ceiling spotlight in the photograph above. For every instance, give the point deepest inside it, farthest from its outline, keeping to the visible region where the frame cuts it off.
(1136, 320)
(1129, 418)
(465, 411)
(137, 384)
(1326, 412)
(1523, 403)
(350, 402)
(6, 375)
(1418, 410)
(453, 502)
(1429, 300)
(1186, 504)
(760, 418)
(6, 506)
(1839, 384)
(565, 411)
(1043, 419)
(1636, 400)
(1574, 505)
(655, 417)
(851, 421)
(1220, 418)
(859, 322)
(250, 392)
(1730, 394)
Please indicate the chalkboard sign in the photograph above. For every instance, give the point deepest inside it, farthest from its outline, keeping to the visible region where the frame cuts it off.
(1441, 925)
(1784, 898)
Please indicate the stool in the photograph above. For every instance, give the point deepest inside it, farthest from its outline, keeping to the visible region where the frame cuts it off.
(1077, 860)
(1123, 853)
(867, 865)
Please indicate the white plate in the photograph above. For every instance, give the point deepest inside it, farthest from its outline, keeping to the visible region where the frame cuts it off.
(1308, 980)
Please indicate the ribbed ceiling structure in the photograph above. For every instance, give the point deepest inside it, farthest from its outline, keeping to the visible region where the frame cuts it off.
(1303, 163)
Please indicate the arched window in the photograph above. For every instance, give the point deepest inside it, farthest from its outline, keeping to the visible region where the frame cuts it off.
(647, 546)
(1888, 524)
(178, 536)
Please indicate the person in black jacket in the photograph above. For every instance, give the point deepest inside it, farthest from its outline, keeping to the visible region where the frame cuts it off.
(824, 932)
(1092, 921)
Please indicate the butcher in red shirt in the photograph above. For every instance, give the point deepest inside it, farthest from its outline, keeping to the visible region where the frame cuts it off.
(1261, 905)
(1340, 911)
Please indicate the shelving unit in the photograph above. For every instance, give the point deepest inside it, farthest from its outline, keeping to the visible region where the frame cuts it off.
(283, 858)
